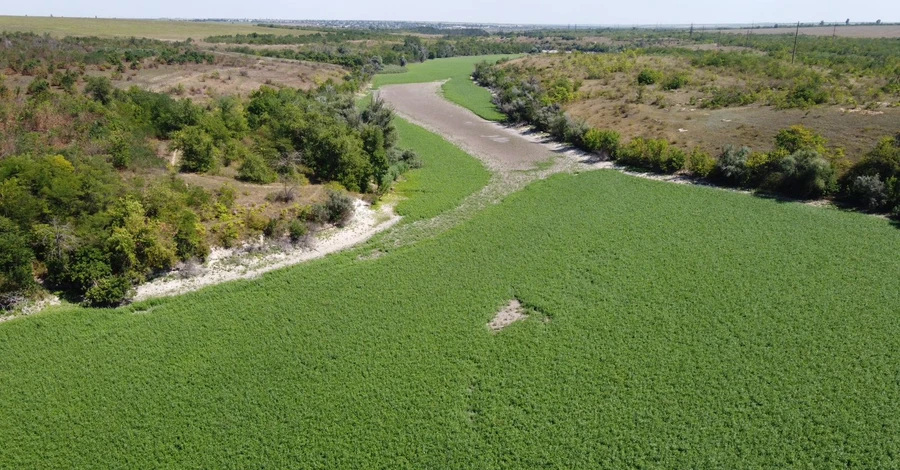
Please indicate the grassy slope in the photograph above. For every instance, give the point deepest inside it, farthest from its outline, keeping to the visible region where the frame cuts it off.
(156, 29)
(448, 174)
(689, 327)
(459, 89)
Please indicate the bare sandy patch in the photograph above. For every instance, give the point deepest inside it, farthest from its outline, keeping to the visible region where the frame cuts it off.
(252, 260)
(507, 315)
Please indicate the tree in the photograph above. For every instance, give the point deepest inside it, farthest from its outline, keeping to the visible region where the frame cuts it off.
(197, 151)
(807, 174)
(287, 166)
(847, 22)
(15, 258)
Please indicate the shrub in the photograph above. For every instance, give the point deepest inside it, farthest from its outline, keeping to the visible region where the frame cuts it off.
(807, 174)
(869, 192)
(38, 86)
(338, 208)
(297, 229)
(731, 166)
(729, 96)
(675, 82)
(198, 151)
(654, 154)
(255, 170)
(649, 77)
(100, 89)
(602, 141)
(700, 163)
(109, 291)
(799, 137)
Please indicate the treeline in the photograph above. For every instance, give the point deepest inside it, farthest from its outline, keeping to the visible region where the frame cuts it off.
(802, 165)
(85, 211)
(43, 55)
(337, 36)
(413, 49)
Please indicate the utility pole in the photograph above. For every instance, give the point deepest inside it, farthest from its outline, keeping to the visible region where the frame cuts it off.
(833, 34)
(691, 34)
(796, 34)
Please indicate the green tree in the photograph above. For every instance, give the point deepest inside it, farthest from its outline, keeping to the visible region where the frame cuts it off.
(198, 153)
(15, 258)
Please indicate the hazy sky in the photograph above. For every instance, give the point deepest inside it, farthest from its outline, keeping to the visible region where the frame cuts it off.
(496, 11)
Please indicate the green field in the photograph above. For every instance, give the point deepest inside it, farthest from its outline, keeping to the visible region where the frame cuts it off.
(447, 176)
(107, 27)
(459, 89)
(673, 327)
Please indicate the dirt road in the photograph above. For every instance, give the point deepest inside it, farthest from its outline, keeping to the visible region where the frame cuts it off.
(499, 147)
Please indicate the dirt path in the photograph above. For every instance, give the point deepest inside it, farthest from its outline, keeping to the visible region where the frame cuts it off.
(501, 148)
(514, 156)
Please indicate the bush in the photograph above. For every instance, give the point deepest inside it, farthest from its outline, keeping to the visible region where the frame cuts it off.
(729, 96)
(338, 209)
(654, 154)
(38, 86)
(108, 292)
(675, 82)
(869, 191)
(700, 163)
(297, 229)
(649, 77)
(198, 151)
(799, 137)
(731, 166)
(255, 170)
(99, 88)
(807, 174)
(602, 141)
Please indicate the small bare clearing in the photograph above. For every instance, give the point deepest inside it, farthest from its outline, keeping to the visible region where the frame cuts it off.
(507, 315)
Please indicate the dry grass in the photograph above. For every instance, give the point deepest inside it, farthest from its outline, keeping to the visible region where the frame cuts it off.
(886, 31)
(234, 75)
(156, 29)
(611, 103)
(254, 195)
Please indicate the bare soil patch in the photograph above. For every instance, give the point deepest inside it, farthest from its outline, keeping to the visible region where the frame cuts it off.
(507, 315)
(251, 195)
(500, 148)
(233, 76)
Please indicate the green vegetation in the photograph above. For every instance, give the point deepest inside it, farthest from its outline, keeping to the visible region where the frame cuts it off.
(446, 177)
(459, 89)
(86, 204)
(648, 346)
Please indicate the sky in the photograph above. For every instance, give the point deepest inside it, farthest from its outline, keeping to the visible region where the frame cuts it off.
(607, 12)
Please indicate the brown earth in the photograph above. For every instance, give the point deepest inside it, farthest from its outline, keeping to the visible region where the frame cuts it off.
(611, 102)
(235, 75)
(885, 31)
(499, 147)
(254, 195)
